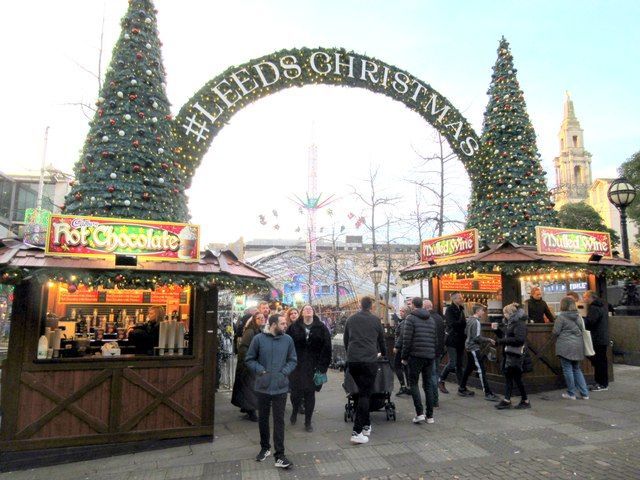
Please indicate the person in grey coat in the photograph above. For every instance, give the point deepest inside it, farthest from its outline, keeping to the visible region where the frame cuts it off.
(568, 329)
(419, 344)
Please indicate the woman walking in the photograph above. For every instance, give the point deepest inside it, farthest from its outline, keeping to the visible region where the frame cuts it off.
(313, 349)
(568, 328)
(514, 339)
(243, 395)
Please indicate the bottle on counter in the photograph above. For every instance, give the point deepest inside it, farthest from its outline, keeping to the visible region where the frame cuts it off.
(43, 347)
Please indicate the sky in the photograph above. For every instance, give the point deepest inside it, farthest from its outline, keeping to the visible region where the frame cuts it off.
(259, 161)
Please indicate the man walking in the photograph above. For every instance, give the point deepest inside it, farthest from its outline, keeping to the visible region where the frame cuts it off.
(364, 343)
(440, 350)
(272, 357)
(597, 322)
(455, 338)
(475, 359)
(397, 349)
(418, 352)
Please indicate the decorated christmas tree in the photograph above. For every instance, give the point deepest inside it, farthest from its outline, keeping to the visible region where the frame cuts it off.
(511, 197)
(129, 166)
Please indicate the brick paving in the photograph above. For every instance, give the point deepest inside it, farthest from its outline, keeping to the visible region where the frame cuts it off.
(556, 439)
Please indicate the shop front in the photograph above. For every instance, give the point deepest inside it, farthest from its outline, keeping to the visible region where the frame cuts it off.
(499, 274)
(114, 340)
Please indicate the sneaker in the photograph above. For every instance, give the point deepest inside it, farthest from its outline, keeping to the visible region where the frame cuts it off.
(503, 405)
(599, 388)
(359, 438)
(584, 397)
(308, 427)
(442, 387)
(523, 405)
(491, 397)
(568, 397)
(430, 420)
(262, 456)
(401, 391)
(282, 462)
(419, 419)
(366, 430)
(466, 393)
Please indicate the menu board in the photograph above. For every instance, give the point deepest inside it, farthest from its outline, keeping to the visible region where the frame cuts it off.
(479, 282)
(123, 297)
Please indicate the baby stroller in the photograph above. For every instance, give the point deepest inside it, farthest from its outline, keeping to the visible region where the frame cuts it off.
(380, 397)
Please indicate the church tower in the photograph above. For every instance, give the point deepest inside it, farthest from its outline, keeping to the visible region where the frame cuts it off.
(573, 165)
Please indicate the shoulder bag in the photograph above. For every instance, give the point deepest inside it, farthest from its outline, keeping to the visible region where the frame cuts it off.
(586, 338)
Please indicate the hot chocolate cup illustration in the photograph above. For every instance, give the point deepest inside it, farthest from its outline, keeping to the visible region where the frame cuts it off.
(188, 241)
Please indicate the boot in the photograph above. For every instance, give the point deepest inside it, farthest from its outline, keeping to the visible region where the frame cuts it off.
(294, 417)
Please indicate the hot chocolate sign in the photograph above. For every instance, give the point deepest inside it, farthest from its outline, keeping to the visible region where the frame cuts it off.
(571, 243)
(74, 236)
(450, 247)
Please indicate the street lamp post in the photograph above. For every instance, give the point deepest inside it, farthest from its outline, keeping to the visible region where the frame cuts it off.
(621, 194)
(376, 277)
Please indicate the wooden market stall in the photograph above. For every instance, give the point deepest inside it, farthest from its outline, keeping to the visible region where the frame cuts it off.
(97, 382)
(497, 275)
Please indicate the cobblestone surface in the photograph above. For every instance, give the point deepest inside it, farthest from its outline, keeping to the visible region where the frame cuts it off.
(556, 439)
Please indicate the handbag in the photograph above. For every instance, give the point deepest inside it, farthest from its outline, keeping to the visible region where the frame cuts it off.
(586, 339)
(514, 350)
(319, 378)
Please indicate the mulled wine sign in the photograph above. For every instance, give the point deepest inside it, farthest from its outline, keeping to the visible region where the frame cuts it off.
(450, 247)
(568, 242)
(79, 236)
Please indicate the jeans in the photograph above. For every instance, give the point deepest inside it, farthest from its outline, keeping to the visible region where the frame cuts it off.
(400, 369)
(364, 376)
(422, 366)
(599, 362)
(309, 399)
(475, 361)
(514, 375)
(434, 381)
(265, 403)
(573, 377)
(456, 357)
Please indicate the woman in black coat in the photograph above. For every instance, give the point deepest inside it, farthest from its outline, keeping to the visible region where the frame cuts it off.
(513, 339)
(243, 395)
(313, 348)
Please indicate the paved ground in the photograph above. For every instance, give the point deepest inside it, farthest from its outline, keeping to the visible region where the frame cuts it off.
(594, 439)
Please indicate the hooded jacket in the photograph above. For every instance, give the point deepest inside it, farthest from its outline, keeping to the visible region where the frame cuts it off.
(515, 333)
(569, 344)
(597, 322)
(272, 358)
(419, 335)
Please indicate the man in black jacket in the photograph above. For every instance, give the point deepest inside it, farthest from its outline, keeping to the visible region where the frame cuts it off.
(364, 343)
(537, 309)
(455, 337)
(418, 351)
(597, 322)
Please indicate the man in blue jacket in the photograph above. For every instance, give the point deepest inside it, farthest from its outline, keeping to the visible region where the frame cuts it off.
(272, 357)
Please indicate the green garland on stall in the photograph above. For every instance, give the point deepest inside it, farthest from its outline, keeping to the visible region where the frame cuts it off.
(134, 280)
(530, 268)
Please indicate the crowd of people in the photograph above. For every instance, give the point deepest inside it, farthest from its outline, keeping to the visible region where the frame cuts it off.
(289, 352)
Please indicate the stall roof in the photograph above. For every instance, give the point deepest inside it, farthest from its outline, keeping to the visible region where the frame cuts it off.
(508, 254)
(224, 262)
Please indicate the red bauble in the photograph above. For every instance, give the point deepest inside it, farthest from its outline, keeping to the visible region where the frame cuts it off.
(164, 165)
(139, 55)
(111, 189)
(168, 117)
(132, 96)
(78, 196)
(112, 83)
(135, 31)
(119, 278)
(112, 121)
(100, 112)
(158, 139)
(146, 195)
(105, 154)
(136, 143)
(72, 287)
(141, 114)
(83, 168)
(136, 168)
(176, 191)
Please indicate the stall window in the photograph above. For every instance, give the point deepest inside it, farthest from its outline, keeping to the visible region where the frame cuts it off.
(93, 322)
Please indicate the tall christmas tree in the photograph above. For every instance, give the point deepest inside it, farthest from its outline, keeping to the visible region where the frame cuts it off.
(511, 197)
(129, 165)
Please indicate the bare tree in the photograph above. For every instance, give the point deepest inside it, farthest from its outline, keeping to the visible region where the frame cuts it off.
(372, 198)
